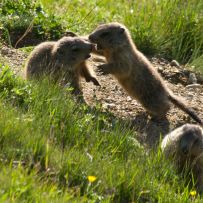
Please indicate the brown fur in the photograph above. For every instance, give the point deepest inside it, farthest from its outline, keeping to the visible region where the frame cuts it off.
(63, 60)
(134, 71)
(85, 37)
(184, 146)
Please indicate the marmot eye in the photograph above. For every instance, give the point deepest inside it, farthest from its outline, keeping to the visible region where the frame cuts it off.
(105, 34)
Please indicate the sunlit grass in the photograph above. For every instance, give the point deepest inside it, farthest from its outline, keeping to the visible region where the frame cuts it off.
(170, 28)
(54, 149)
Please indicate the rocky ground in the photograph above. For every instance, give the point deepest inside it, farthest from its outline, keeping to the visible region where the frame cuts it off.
(112, 97)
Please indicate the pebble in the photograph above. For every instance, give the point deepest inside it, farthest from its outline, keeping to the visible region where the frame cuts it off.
(175, 63)
(160, 68)
(194, 86)
(190, 95)
(107, 105)
(129, 98)
(162, 63)
(192, 79)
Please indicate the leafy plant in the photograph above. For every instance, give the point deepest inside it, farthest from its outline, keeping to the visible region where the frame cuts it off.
(52, 149)
(26, 17)
(12, 89)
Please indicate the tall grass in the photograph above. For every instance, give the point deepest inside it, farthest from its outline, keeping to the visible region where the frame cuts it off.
(173, 29)
(50, 145)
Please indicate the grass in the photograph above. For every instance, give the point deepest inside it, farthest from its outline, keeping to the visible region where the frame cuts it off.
(24, 18)
(172, 29)
(50, 145)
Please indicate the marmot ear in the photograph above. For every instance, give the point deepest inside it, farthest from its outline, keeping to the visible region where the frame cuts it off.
(121, 30)
(70, 34)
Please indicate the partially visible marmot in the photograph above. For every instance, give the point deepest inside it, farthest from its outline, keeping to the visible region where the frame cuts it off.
(184, 146)
(63, 60)
(134, 71)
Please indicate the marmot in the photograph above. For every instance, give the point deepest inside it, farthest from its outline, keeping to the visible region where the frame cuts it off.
(63, 60)
(184, 146)
(134, 71)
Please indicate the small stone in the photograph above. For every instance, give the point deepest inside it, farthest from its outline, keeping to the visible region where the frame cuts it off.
(160, 68)
(162, 63)
(190, 95)
(175, 63)
(116, 88)
(175, 70)
(194, 86)
(129, 98)
(107, 105)
(192, 79)
(111, 105)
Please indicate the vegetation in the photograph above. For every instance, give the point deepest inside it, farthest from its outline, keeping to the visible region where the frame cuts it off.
(171, 28)
(25, 17)
(55, 150)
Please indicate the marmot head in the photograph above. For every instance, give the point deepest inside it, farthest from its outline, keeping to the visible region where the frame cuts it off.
(109, 36)
(191, 141)
(71, 51)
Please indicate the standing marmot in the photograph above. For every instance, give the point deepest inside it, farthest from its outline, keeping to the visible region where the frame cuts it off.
(62, 60)
(134, 72)
(184, 146)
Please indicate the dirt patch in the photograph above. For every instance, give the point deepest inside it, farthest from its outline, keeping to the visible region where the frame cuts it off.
(14, 58)
(114, 99)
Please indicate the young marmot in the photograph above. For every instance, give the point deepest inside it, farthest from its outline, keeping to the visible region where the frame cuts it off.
(63, 60)
(134, 71)
(184, 146)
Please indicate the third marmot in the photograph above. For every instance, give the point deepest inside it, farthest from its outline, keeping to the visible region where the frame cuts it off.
(62, 60)
(184, 146)
(134, 71)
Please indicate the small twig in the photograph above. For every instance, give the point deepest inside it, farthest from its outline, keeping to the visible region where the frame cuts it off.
(25, 33)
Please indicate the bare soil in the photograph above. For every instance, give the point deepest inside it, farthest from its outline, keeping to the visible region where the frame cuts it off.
(114, 99)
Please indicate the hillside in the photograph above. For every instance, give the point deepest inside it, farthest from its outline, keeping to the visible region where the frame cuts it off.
(55, 149)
